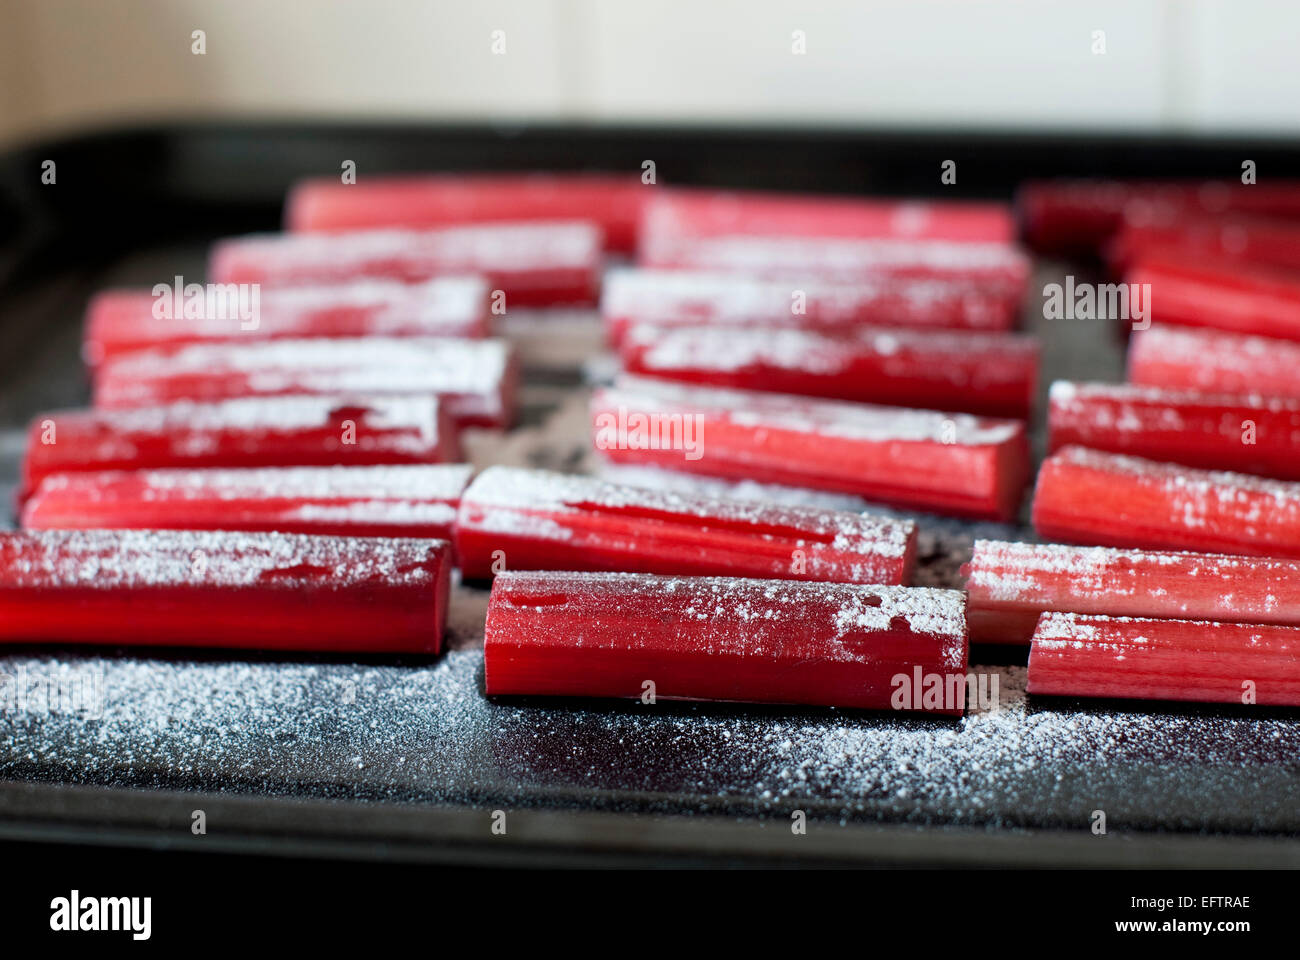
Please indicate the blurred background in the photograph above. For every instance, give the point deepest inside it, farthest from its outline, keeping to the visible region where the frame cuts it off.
(1156, 66)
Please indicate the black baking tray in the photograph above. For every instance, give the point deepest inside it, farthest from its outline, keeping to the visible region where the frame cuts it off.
(402, 758)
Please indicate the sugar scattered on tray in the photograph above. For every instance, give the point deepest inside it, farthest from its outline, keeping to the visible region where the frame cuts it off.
(420, 732)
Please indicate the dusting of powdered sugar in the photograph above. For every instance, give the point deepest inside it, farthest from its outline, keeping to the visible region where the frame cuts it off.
(727, 349)
(1171, 582)
(421, 732)
(444, 306)
(1144, 410)
(469, 374)
(1201, 498)
(1199, 359)
(685, 297)
(836, 258)
(768, 607)
(401, 424)
(443, 363)
(829, 418)
(49, 560)
(658, 478)
(507, 496)
(289, 257)
(414, 482)
(280, 414)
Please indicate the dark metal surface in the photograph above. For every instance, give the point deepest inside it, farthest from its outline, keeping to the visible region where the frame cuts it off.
(409, 759)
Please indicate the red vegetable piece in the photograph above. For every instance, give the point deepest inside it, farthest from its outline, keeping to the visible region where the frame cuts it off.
(535, 264)
(257, 432)
(667, 298)
(1217, 293)
(1010, 584)
(670, 214)
(997, 268)
(1248, 434)
(1250, 241)
(715, 638)
(445, 200)
(272, 591)
(415, 500)
(119, 321)
(1079, 216)
(985, 373)
(475, 379)
(1184, 358)
(536, 520)
(946, 463)
(1084, 496)
(1088, 656)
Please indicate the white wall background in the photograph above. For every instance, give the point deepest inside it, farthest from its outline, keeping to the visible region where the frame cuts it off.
(1210, 66)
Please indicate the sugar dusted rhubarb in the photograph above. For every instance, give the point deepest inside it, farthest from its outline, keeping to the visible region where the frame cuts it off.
(119, 321)
(1249, 434)
(535, 264)
(994, 374)
(998, 268)
(415, 500)
(673, 213)
(1211, 292)
(1010, 584)
(443, 200)
(920, 459)
(257, 432)
(1084, 496)
(667, 298)
(1183, 358)
(537, 520)
(1079, 216)
(475, 379)
(720, 488)
(1089, 656)
(712, 638)
(272, 591)
(1250, 241)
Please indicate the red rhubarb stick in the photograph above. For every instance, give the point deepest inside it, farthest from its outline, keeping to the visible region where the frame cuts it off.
(446, 200)
(715, 638)
(274, 431)
(1085, 496)
(1248, 434)
(667, 298)
(1251, 241)
(1086, 656)
(537, 264)
(415, 500)
(119, 321)
(1010, 584)
(271, 591)
(676, 213)
(1078, 216)
(946, 463)
(997, 268)
(1185, 358)
(476, 379)
(536, 520)
(1211, 292)
(721, 488)
(985, 373)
